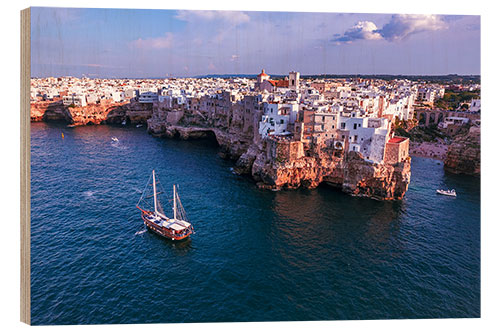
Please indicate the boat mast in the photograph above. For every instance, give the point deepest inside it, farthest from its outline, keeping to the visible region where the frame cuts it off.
(175, 205)
(154, 192)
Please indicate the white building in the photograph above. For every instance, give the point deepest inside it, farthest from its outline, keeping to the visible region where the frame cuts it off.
(366, 135)
(475, 105)
(277, 117)
(148, 97)
(76, 100)
(118, 96)
(453, 121)
(426, 95)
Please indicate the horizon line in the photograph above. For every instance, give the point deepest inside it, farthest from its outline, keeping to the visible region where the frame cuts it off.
(246, 75)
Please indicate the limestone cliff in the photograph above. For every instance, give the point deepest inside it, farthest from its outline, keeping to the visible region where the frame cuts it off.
(350, 173)
(283, 163)
(464, 154)
(104, 113)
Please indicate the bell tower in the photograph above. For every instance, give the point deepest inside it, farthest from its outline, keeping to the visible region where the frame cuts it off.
(293, 80)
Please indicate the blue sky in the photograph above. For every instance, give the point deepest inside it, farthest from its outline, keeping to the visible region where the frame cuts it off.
(153, 43)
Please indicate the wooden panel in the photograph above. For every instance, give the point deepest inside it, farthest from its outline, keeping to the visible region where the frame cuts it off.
(25, 166)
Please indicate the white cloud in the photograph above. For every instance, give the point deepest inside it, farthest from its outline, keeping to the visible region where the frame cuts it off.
(162, 42)
(399, 27)
(362, 30)
(232, 17)
(403, 25)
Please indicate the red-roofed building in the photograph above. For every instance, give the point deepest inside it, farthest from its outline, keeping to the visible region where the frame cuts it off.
(274, 85)
(262, 77)
(264, 82)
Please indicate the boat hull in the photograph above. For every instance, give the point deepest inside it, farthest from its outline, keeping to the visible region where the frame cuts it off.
(446, 193)
(164, 232)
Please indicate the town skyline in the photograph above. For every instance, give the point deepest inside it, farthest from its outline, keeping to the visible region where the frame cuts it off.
(180, 43)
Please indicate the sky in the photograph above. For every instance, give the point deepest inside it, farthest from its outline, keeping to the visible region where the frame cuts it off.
(119, 43)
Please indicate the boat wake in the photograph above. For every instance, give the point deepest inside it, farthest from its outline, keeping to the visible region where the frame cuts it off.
(140, 232)
(88, 194)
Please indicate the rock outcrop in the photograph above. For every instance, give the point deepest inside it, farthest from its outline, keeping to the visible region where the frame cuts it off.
(464, 154)
(105, 112)
(351, 173)
(274, 163)
(283, 164)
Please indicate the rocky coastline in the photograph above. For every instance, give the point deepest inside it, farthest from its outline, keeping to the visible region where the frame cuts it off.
(464, 154)
(272, 163)
(281, 164)
(105, 112)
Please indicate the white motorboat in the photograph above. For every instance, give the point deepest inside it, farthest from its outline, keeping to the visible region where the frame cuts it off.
(114, 139)
(450, 193)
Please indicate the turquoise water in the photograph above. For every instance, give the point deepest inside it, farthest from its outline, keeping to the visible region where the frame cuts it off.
(257, 255)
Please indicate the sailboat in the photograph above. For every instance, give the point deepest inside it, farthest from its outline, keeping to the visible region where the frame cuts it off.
(176, 228)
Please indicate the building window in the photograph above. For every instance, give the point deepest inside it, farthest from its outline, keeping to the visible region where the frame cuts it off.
(342, 125)
(355, 126)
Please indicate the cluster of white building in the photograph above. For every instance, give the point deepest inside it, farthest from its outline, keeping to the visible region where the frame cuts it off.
(83, 91)
(340, 113)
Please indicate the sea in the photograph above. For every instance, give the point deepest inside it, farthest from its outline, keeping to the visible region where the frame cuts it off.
(256, 255)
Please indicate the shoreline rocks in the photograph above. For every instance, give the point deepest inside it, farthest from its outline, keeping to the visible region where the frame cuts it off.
(464, 154)
(106, 112)
(273, 164)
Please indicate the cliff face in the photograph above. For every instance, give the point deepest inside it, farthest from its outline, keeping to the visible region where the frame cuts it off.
(379, 181)
(351, 173)
(464, 154)
(92, 114)
(285, 164)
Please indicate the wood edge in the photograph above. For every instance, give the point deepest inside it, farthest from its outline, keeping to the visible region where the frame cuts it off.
(25, 213)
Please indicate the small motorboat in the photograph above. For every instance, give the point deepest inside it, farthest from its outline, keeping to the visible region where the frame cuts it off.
(124, 122)
(450, 193)
(114, 139)
(138, 125)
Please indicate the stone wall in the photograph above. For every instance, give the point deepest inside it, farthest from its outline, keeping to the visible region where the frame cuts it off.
(396, 150)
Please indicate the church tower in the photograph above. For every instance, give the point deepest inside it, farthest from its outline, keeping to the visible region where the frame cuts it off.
(293, 80)
(262, 77)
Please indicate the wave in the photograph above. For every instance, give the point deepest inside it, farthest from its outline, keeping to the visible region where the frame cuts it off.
(140, 232)
(88, 194)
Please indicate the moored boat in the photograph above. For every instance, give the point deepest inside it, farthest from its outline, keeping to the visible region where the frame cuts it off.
(176, 228)
(450, 193)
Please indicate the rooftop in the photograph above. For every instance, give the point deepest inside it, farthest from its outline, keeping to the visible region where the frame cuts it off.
(397, 139)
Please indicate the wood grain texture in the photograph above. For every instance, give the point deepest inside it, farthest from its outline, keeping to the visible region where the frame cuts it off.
(25, 166)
